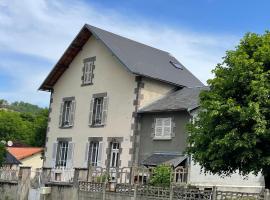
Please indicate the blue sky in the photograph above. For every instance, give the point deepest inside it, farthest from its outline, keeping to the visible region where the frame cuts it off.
(35, 33)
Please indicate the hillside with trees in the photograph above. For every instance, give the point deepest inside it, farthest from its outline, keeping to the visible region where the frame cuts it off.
(23, 123)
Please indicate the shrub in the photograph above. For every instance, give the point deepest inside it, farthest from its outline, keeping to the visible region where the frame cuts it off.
(161, 176)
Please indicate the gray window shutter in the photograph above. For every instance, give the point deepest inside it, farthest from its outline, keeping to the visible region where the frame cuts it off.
(61, 114)
(167, 127)
(83, 74)
(173, 127)
(70, 155)
(104, 110)
(91, 112)
(90, 70)
(86, 155)
(72, 113)
(153, 128)
(158, 129)
(54, 152)
(100, 152)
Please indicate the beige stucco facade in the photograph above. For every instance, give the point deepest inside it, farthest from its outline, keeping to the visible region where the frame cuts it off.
(248, 183)
(34, 161)
(112, 77)
(153, 90)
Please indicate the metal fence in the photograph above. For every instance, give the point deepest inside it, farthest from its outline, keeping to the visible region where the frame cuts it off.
(132, 175)
(103, 191)
(10, 175)
(58, 175)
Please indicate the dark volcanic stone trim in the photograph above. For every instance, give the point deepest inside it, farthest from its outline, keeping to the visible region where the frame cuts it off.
(91, 59)
(68, 98)
(68, 139)
(97, 139)
(97, 95)
(134, 126)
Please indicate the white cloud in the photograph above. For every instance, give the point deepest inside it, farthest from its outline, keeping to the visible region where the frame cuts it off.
(45, 28)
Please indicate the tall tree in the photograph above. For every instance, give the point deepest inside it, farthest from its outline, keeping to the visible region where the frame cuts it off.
(231, 133)
(2, 153)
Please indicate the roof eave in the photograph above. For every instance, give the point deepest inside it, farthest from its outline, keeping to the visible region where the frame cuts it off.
(163, 110)
(45, 86)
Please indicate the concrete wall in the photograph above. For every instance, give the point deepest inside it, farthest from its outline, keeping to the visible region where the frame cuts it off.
(8, 191)
(199, 178)
(33, 161)
(177, 144)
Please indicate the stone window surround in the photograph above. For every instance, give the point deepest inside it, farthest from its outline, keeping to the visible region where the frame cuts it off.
(90, 59)
(72, 98)
(98, 95)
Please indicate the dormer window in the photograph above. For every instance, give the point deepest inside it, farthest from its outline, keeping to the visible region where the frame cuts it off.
(177, 65)
(88, 68)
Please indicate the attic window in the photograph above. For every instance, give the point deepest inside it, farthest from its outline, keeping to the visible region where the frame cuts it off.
(176, 65)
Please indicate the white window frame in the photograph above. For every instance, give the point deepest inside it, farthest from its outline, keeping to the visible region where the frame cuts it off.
(66, 113)
(160, 124)
(62, 154)
(93, 154)
(115, 153)
(98, 106)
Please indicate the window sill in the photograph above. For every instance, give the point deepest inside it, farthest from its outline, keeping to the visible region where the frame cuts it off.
(97, 126)
(65, 127)
(86, 84)
(162, 138)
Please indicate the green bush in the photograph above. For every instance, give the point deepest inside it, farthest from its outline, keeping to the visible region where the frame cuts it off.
(161, 176)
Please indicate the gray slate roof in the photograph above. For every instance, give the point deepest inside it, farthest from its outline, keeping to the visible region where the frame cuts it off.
(11, 160)
(183, 99)
(164, 158)
(144, 60)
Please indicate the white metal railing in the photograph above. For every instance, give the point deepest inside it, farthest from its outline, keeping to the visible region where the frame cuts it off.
(9, 174)
(61, 174)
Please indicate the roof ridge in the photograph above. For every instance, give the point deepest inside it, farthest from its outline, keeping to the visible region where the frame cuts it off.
(132, 40)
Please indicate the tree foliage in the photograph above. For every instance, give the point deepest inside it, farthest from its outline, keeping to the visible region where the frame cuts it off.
(161, 176)
(232, 131)
(2, 153)
(26, 125)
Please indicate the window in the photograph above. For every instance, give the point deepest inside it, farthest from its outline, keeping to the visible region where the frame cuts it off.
(62, 153)
(93, 153)
(66, 118)
(163, 128)
(98, 110)
(114, 162)
(88, 68)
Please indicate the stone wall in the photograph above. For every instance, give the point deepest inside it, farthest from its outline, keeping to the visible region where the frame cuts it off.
(8, 191)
